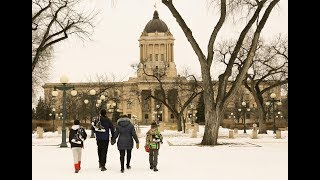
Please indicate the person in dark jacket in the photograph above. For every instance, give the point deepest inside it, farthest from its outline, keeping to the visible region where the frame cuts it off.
(77, 135)
(126, 132)
(102, 137)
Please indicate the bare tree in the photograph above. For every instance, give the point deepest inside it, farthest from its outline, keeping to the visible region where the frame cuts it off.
(269, 70)
(216, 104)
(54, 21)
(187, 86)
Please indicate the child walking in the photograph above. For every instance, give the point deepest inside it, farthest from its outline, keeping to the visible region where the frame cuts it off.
(153, 140)
(77, 135)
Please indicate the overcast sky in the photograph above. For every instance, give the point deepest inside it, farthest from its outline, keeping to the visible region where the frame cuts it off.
(115, 45)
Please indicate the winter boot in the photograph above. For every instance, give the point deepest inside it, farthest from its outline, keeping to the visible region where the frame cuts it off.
(128, 166)
(76, 168)
(122, 170)
(122, 163)
(155, 168)
(103, 168)
(151, 167)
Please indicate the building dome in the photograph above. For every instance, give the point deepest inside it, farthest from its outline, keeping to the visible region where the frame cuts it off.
(155, 24)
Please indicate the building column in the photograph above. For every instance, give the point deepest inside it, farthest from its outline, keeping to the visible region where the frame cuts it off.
(153, 106)
(172, 57)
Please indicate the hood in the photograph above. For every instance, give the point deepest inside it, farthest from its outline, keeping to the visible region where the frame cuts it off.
(75, 127)
(123, 121)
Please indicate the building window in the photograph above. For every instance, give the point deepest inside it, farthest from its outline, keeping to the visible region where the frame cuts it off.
(162, 57)
(150, 57)
(146, 104)
(171, 116)
(129, 104)
(157, 57)
(129, 116)
(146, 116)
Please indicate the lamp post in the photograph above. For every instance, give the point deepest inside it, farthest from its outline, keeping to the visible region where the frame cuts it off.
(86, 101)
(135, 123)
(103, 102)
(193, 111)
(92, 93)
(273, 100)
(157, 113)
(64, 80)
(53, 118)
(50, 114)
(232, 116)
(113, 108)
(268, 104)
(244, 109)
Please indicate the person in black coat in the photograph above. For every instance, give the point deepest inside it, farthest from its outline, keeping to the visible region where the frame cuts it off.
(77, 135)
(126, 132)
(101, 128)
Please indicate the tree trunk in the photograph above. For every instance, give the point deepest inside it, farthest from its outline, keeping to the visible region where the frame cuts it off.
(179, 119)
(211, 121)
(262, 119)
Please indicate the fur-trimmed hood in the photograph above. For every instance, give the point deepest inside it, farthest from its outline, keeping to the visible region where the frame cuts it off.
(123, 122)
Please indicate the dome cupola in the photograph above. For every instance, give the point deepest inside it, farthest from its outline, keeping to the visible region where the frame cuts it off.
(156, 24)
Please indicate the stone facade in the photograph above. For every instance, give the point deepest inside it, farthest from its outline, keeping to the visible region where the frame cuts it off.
(156, 58)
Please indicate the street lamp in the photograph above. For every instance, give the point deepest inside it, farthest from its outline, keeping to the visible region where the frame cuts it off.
(103, 102)
(53, 118)
(193, 111)
(232, 116)
(92, 93)
(64, 80)
(113, 108)
(50, 114)
(244, 109)
(273, 100)
(157, 113)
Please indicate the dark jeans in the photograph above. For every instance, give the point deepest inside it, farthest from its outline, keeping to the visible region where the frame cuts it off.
(102, 151)
(122, 154)
(153, 157)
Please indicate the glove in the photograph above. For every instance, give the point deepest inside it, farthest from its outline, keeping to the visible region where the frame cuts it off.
(137, 145)
(113, 142)
(92, 123)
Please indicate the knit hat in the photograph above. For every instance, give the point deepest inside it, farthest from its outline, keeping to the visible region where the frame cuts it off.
(76, 122)
(103, 112)
(154, 124)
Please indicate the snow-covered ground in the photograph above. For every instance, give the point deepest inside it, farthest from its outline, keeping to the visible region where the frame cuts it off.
(180, 158)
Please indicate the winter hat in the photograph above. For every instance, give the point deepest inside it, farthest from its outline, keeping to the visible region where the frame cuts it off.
(76, 122)
(154, 124)
(103, 112)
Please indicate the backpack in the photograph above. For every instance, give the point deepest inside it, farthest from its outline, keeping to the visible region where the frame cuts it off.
(79, 136)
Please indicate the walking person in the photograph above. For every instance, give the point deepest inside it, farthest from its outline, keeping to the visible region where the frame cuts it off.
(126, 132)
(77, 135)
(153, 140)
(102, 127)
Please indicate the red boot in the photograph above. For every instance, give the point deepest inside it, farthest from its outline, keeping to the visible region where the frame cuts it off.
(76, 168)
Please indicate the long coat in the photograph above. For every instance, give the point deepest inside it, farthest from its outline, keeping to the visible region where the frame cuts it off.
(126, 132)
